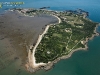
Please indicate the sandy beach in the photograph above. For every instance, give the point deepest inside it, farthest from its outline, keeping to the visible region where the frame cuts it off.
(31, 56)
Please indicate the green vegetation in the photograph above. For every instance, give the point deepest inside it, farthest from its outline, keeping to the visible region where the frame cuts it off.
(62, 38)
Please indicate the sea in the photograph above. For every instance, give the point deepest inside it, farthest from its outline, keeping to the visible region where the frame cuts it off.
(83, 62)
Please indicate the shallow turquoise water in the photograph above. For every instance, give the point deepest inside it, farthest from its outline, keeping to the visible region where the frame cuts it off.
(81, 62)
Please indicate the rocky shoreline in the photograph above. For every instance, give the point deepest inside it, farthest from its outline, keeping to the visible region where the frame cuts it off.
(32, 66)
(50, 65)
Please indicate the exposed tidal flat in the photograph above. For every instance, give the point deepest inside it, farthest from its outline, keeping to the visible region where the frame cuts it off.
(81, 62)
(17, 33)
(21, 39)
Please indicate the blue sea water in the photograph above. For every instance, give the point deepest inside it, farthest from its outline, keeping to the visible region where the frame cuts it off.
(89, 5)
(81, 62)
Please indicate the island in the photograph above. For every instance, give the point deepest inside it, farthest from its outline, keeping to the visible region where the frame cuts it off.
(58, 40)
(44, 7)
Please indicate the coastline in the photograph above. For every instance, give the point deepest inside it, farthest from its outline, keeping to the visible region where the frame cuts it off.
(21, 32)
(32, 66)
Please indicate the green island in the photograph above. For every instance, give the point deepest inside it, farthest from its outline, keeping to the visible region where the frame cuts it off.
(62, 38)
